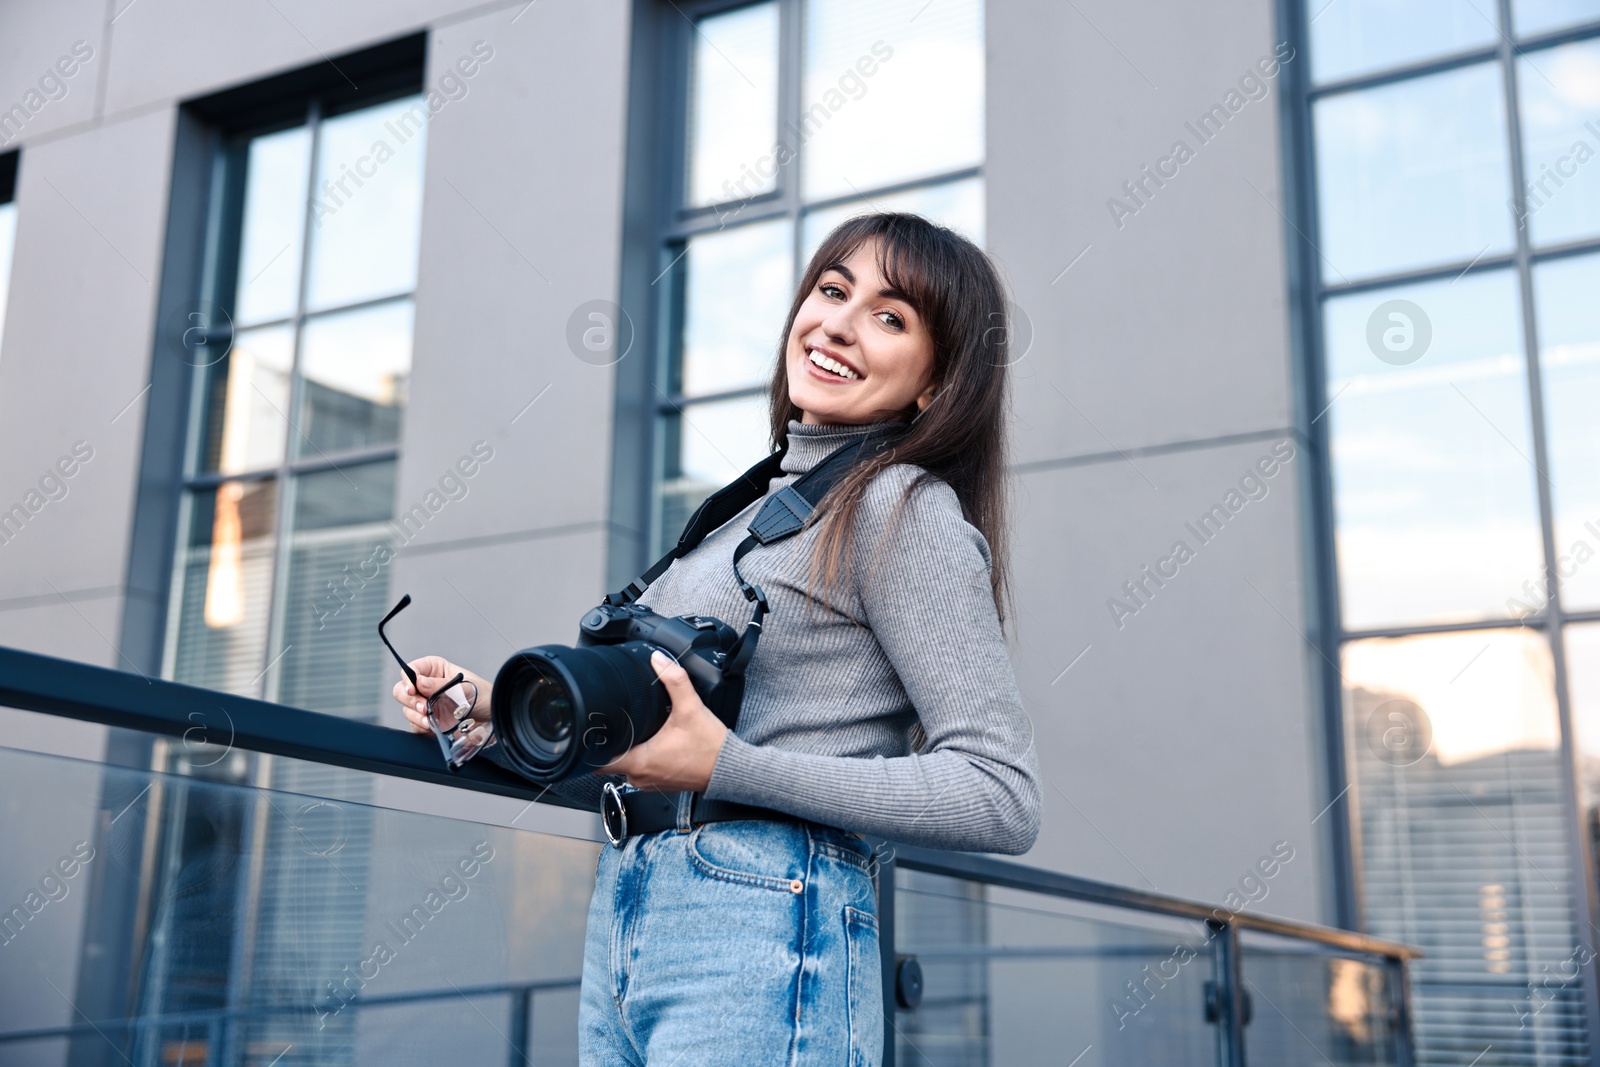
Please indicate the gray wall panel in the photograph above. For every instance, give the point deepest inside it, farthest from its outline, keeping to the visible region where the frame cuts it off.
(1180, 747)
(1172, 327)
(521, 225)
(90, 209)
(169, 50)
(33, 37)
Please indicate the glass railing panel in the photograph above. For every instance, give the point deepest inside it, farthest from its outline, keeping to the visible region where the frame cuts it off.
(197, 918)
(1309, 1005)
(1012, 978)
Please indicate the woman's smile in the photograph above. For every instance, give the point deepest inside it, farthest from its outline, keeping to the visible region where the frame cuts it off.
(858, 351)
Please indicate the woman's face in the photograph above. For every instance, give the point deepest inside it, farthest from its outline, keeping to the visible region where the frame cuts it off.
(855, 322)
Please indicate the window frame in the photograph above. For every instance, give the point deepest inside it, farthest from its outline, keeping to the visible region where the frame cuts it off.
(674, 224)
(205, 194)
(1309, 290)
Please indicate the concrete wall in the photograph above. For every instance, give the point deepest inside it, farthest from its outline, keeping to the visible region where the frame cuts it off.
(1178, 747)
(1184, 742)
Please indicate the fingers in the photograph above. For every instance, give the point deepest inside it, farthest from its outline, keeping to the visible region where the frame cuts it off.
(413, 704)
(674, 678)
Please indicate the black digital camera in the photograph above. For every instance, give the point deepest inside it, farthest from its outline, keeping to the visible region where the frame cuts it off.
(559, 712)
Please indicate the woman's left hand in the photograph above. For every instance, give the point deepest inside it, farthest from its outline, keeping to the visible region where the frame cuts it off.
(683, 752)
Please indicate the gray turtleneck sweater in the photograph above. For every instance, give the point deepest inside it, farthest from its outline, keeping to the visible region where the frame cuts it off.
(835, 687)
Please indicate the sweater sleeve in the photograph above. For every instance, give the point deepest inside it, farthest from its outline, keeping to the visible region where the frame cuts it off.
(926, 597)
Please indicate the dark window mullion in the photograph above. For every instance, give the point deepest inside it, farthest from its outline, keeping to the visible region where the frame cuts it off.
(1585, 904)
(303, 465)
(277, 609)
(354, 305)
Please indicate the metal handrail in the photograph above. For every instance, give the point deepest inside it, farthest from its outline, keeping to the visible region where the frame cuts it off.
(202, 1016)
(53, 686)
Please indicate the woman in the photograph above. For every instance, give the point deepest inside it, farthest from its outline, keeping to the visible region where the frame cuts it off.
(880, 701)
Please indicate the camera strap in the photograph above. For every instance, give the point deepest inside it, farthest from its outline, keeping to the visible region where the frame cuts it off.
(783, 515)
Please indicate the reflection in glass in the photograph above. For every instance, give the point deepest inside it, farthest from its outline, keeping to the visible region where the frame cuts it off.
(892, 91)
(367, 204)
(1583, 681)
(1454, 748)
(1351, 37)
(1434, 489)
(8, 236)
(1011, 977)
(1340, 1006)
(1560, 91)
(356, 366)
(736, 298)
(1540, 16)
(958, 205)
(224, 586)
(706, 447)
(272, 232)
(248, 400)
(1565, 294)
(338, 589)
(1413, 174)
(253, 917)
(733, 105)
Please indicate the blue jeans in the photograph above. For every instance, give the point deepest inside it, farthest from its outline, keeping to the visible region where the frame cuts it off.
(741, 943)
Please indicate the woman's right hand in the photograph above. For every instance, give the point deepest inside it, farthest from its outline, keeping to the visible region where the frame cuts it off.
(432, 673)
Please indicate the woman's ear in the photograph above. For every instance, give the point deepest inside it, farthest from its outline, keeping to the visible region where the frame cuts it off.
(927, 397)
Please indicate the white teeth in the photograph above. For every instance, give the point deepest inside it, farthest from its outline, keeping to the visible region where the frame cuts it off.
(830, 364)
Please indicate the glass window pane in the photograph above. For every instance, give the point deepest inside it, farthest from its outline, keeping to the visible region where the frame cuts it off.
(338, 589)
(8, 237)
(892, 91)
(1434, 489)
(1583, 682)
(1454, 749)
(1413, 174)
(706, 447)
(272, 233)
(1560, 92)
(733, 106)
(248, 398)
(1565, 293)
(1351, 37)
(367, 204)
(739, 286)
(958, 205)
(356, 365)
(1538, 16)
(225, 586)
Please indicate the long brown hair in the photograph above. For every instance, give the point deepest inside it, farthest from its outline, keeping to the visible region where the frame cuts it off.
(961, 436)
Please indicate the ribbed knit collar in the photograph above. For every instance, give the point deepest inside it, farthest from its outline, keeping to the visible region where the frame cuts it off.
(810, 444)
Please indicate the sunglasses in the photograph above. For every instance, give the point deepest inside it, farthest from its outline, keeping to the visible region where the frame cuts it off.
(460, 737)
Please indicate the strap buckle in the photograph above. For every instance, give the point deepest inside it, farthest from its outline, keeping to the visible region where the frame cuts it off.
(613, 814)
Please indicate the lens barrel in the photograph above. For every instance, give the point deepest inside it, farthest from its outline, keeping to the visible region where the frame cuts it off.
(560, 711)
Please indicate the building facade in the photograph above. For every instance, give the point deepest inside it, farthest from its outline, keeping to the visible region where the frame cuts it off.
(310, 306)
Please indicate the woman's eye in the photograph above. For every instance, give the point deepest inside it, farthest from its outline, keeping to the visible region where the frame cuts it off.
(892, 320)
(829, 289)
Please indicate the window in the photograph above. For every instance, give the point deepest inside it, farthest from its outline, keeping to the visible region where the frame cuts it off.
(786, 131)
(1456, 224)
(281, 574)
(8, 228)
(296, 328)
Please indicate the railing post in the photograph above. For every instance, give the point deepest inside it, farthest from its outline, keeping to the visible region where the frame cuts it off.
(1230, 992)
(1400, 1010)
(883, 878)
(521, 1025)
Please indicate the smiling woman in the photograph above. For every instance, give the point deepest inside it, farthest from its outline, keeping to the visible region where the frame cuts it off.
(880, 700)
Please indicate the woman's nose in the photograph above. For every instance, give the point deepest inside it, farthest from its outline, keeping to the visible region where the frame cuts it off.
(840, 324)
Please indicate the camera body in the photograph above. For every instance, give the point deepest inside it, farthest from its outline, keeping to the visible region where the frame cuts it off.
(562, 711)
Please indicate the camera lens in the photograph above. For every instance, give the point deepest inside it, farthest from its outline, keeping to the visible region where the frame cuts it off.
(561, 711)
(549, 710)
